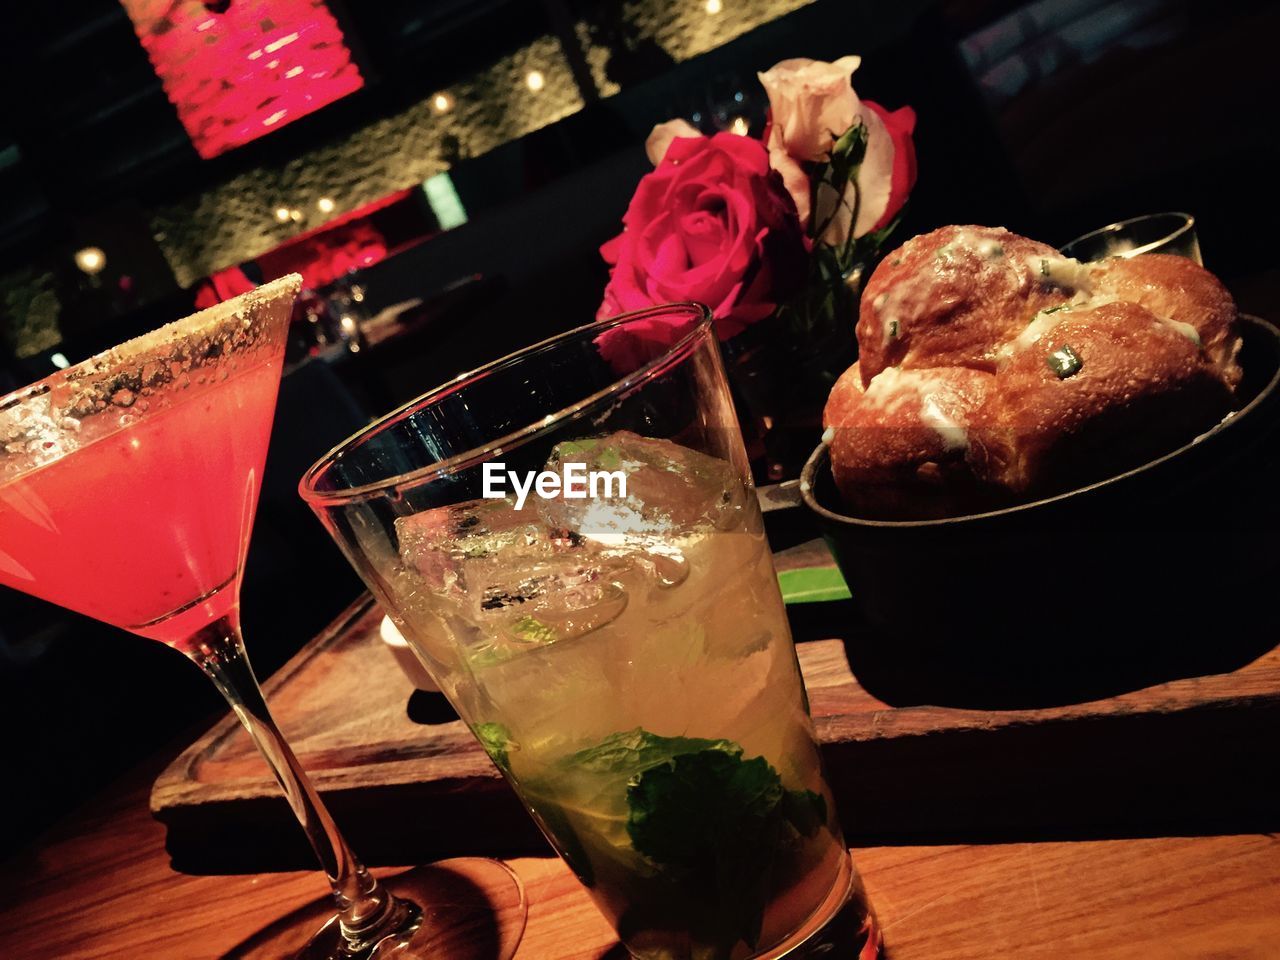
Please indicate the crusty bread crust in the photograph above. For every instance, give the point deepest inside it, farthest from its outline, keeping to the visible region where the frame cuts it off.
(1181, 290)
(901, 444)
(948, 298)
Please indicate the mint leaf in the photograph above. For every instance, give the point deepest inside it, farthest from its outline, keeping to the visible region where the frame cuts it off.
(496, 739)
(685, 834)
(631, 752)
(805, 810)
(490, 654)
(533, 630)
(684, 810)
(716, 822)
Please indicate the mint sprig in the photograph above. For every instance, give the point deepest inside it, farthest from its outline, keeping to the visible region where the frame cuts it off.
(685, 834)
(631, 752)
(496, 740)
(712, 821)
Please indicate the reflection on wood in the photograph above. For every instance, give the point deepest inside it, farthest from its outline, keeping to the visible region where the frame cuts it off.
(100, 886)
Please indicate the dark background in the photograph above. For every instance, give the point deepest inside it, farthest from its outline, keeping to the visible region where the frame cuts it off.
(1122, 109)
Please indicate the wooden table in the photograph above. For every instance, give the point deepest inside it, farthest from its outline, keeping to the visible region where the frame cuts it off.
(100, 886)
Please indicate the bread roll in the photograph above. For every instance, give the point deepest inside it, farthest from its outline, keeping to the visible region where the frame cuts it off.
(1181, 291)
(901, 443)
(1142, 387)
(994, 370)
(948, 298)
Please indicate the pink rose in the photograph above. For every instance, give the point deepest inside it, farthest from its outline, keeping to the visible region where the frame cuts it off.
(900, 125)
(711, 224)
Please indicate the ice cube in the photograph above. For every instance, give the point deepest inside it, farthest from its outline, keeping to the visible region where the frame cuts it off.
(443, 544)
(570, 606)
(510, 583)
(671, 491)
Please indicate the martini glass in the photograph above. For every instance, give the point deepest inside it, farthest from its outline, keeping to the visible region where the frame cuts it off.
(127, 491)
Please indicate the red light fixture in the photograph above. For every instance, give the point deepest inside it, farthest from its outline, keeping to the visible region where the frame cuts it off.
(238, 69)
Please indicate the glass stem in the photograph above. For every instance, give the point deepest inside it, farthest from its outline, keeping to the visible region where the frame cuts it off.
(366, 910)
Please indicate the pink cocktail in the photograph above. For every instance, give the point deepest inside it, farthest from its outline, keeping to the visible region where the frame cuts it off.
(128, 485)
(167, 504)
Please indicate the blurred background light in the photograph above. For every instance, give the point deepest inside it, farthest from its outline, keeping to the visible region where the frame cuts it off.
(91, 260)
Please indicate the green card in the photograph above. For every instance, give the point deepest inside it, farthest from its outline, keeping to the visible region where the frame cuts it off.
(813, 585)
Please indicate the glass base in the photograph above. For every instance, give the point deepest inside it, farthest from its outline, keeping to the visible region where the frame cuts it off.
(469, 908)
(843, 926)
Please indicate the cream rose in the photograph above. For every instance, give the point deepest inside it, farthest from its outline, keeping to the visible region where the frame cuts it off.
(869, 193)
(813, 103)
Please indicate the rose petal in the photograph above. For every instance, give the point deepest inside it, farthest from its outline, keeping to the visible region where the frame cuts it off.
(794, 179)
(609, 249)
(660, 138)
(875, 176)
(835, 210)
(900, 125)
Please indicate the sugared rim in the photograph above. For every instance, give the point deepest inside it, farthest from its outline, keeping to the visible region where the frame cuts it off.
(653, 368)
(170, 332)
(819, 457)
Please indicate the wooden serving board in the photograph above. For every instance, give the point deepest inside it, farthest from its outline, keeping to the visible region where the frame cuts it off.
(1158, 751)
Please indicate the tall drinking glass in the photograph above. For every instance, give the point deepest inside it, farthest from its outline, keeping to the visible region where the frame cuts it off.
(128, 485)
(570, 541)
